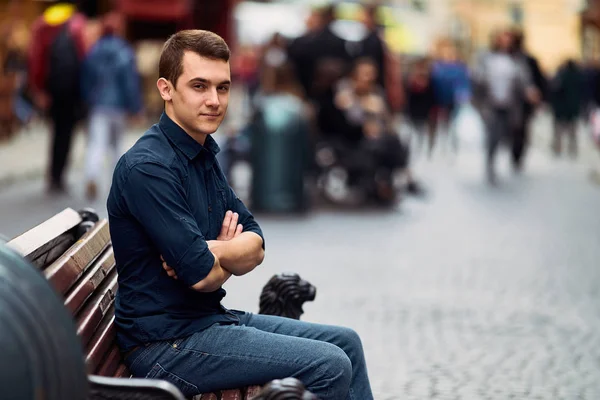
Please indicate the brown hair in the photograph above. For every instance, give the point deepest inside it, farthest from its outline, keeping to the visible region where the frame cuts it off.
(204, 43)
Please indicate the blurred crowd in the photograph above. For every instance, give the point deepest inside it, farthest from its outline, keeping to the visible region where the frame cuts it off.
(71, 66)
(344, 98)
(358, 89)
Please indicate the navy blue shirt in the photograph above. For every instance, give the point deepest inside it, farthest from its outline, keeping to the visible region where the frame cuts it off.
(168, 197)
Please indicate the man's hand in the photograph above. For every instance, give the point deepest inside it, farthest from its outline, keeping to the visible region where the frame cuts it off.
(170, 271)
(230, 228)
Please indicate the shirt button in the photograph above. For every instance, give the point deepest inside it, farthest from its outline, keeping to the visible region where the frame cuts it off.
(209, 209)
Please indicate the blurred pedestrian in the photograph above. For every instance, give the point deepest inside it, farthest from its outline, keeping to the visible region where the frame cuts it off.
(452, 88)
(590, 86)
(373, 46)
(320, 58)
(420, 102)
(503, 83)
(111, 89)
(280, 140)
(567, 103)
(538, 93)
(299, 49)
(55, 56)
(274, 56)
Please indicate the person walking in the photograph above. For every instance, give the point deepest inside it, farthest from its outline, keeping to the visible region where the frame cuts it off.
(503, 81)
(54, 65)
(567, 104)
(111, 89)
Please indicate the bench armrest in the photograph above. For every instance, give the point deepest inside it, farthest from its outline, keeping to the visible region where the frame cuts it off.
(102, 388)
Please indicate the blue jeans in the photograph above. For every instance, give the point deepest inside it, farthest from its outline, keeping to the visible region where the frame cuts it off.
(329, 360)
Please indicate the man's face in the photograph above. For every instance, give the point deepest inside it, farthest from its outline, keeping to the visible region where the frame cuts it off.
(448, 53)
(365, 76)
(505, 40)
(198, 101)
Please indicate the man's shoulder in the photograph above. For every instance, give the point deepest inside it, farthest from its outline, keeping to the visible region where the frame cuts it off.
(152, 147)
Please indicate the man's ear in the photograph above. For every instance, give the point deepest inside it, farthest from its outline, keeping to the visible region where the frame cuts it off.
(164, 88)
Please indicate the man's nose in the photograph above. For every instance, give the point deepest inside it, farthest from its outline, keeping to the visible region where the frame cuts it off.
(213, 98)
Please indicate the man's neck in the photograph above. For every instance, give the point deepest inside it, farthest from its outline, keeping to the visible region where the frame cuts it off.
(198, 137)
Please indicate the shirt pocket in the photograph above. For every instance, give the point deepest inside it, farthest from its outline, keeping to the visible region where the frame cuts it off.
(222, 198)
(222, 188)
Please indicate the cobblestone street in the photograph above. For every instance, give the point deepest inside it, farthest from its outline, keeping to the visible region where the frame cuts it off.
(472, 293)
(475, 293)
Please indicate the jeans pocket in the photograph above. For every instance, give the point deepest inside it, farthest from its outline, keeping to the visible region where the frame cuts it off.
(139, 356)
(186, 388)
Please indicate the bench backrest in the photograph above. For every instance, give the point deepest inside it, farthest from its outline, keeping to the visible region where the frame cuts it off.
(82, 269)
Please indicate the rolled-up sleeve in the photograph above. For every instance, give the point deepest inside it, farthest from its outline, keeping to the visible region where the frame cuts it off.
(155, 196)
(245, 216)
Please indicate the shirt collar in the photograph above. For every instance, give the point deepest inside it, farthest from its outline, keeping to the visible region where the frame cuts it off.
(184, 142)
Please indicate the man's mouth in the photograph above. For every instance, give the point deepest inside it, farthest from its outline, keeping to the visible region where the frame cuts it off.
(210, 115)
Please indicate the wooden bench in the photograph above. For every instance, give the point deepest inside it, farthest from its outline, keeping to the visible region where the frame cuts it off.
(74, 252)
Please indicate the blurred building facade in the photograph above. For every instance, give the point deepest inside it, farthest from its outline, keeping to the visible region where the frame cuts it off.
(590, 30)
(552, 27)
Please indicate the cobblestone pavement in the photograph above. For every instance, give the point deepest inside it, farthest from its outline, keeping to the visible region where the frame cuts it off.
(472, 293)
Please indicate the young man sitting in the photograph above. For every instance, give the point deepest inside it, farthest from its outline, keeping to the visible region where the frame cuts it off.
(179, 233)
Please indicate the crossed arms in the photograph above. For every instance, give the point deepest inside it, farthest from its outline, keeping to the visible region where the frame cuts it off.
(236, 253)
(154, 195)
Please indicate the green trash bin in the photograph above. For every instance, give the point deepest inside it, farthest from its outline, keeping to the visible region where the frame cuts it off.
(279, 155)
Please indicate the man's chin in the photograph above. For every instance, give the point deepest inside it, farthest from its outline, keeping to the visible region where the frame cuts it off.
(208, 129)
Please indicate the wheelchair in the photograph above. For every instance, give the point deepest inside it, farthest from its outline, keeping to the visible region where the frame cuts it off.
(359, 174)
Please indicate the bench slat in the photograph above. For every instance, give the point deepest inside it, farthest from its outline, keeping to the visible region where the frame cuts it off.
(101, 343)
(90, 281)
(232, 394)
(40, 239)
(206, 396)
(99, 305)
(122, 372)
(59, 246)
(64, 272)
(111, 362)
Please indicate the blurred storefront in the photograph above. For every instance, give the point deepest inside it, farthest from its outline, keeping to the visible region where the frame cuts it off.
(590, 30)
(157, 19)
(551, 27)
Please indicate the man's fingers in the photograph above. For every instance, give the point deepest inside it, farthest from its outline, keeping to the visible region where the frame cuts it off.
(239, 230)
(233, 226)
(170, 271)
(226, 223)
(167, 268)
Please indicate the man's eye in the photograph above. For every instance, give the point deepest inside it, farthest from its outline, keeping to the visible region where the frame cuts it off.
(223, 89)
(199, 87)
